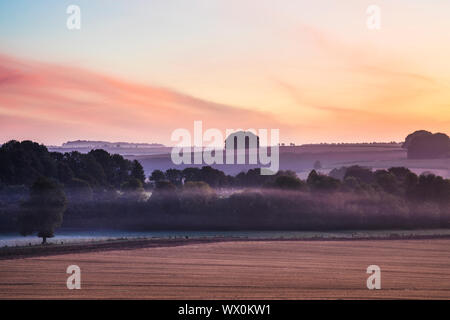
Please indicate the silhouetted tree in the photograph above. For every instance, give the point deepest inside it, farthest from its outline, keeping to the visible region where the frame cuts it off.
(137, 171)
(387, 181)
(191, 174)
(64, 172)
(321, 182)
(121, 168)
(289, 183)
(365, 175)
(92, 171)
(174, 176)
(430, 187)
(23, 162)
(253, 178)
(212, 177)
(413, 135)
(44, 210)
(157, 175)
(429, 146)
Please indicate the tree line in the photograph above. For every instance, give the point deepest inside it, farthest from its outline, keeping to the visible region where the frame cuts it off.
(99, 190)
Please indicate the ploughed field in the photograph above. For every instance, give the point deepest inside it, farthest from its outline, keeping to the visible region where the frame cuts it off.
(418, 269)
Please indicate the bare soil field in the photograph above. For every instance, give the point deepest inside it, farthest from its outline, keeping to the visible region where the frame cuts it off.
(410, 269)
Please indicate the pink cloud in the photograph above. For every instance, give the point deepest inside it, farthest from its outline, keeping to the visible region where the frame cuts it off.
(52, 104)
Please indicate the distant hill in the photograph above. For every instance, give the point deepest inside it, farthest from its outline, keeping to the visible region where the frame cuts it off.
(105, 144)
(122, 148)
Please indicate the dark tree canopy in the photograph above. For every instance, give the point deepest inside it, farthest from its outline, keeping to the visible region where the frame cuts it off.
(321, 182)
(21, 163)
(363, 174)
(137, 171)
(429, 146)
(157, 175)
(410, 137)
(289, 183)
(174, 176)
(387, 181)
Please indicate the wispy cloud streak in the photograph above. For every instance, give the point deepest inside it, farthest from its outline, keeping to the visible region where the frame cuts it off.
(94, 105)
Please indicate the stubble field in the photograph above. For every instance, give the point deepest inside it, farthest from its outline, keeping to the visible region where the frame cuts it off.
(417, 269)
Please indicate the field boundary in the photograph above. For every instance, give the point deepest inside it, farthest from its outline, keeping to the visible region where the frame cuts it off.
(21, 252)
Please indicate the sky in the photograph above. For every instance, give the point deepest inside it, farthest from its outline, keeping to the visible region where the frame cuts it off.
(137, 70)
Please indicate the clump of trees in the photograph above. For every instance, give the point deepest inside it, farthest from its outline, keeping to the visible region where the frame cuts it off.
(357, 197)
(99, 190)
(22, 163)
(426, 145)
(218, 179)
(396, 181)
(211, 176)
(322, 183)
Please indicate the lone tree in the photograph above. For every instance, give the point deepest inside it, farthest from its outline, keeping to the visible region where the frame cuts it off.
(44, 209)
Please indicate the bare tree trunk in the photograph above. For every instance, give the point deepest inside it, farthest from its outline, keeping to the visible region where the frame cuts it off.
(44, 240)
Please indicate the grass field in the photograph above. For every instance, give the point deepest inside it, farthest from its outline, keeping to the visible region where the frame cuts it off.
(417, 269)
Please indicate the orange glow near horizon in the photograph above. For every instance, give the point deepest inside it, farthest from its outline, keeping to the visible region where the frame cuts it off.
(52, 104)
(314, 72)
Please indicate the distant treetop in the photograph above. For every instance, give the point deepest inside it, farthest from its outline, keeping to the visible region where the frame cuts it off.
(423, 144)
